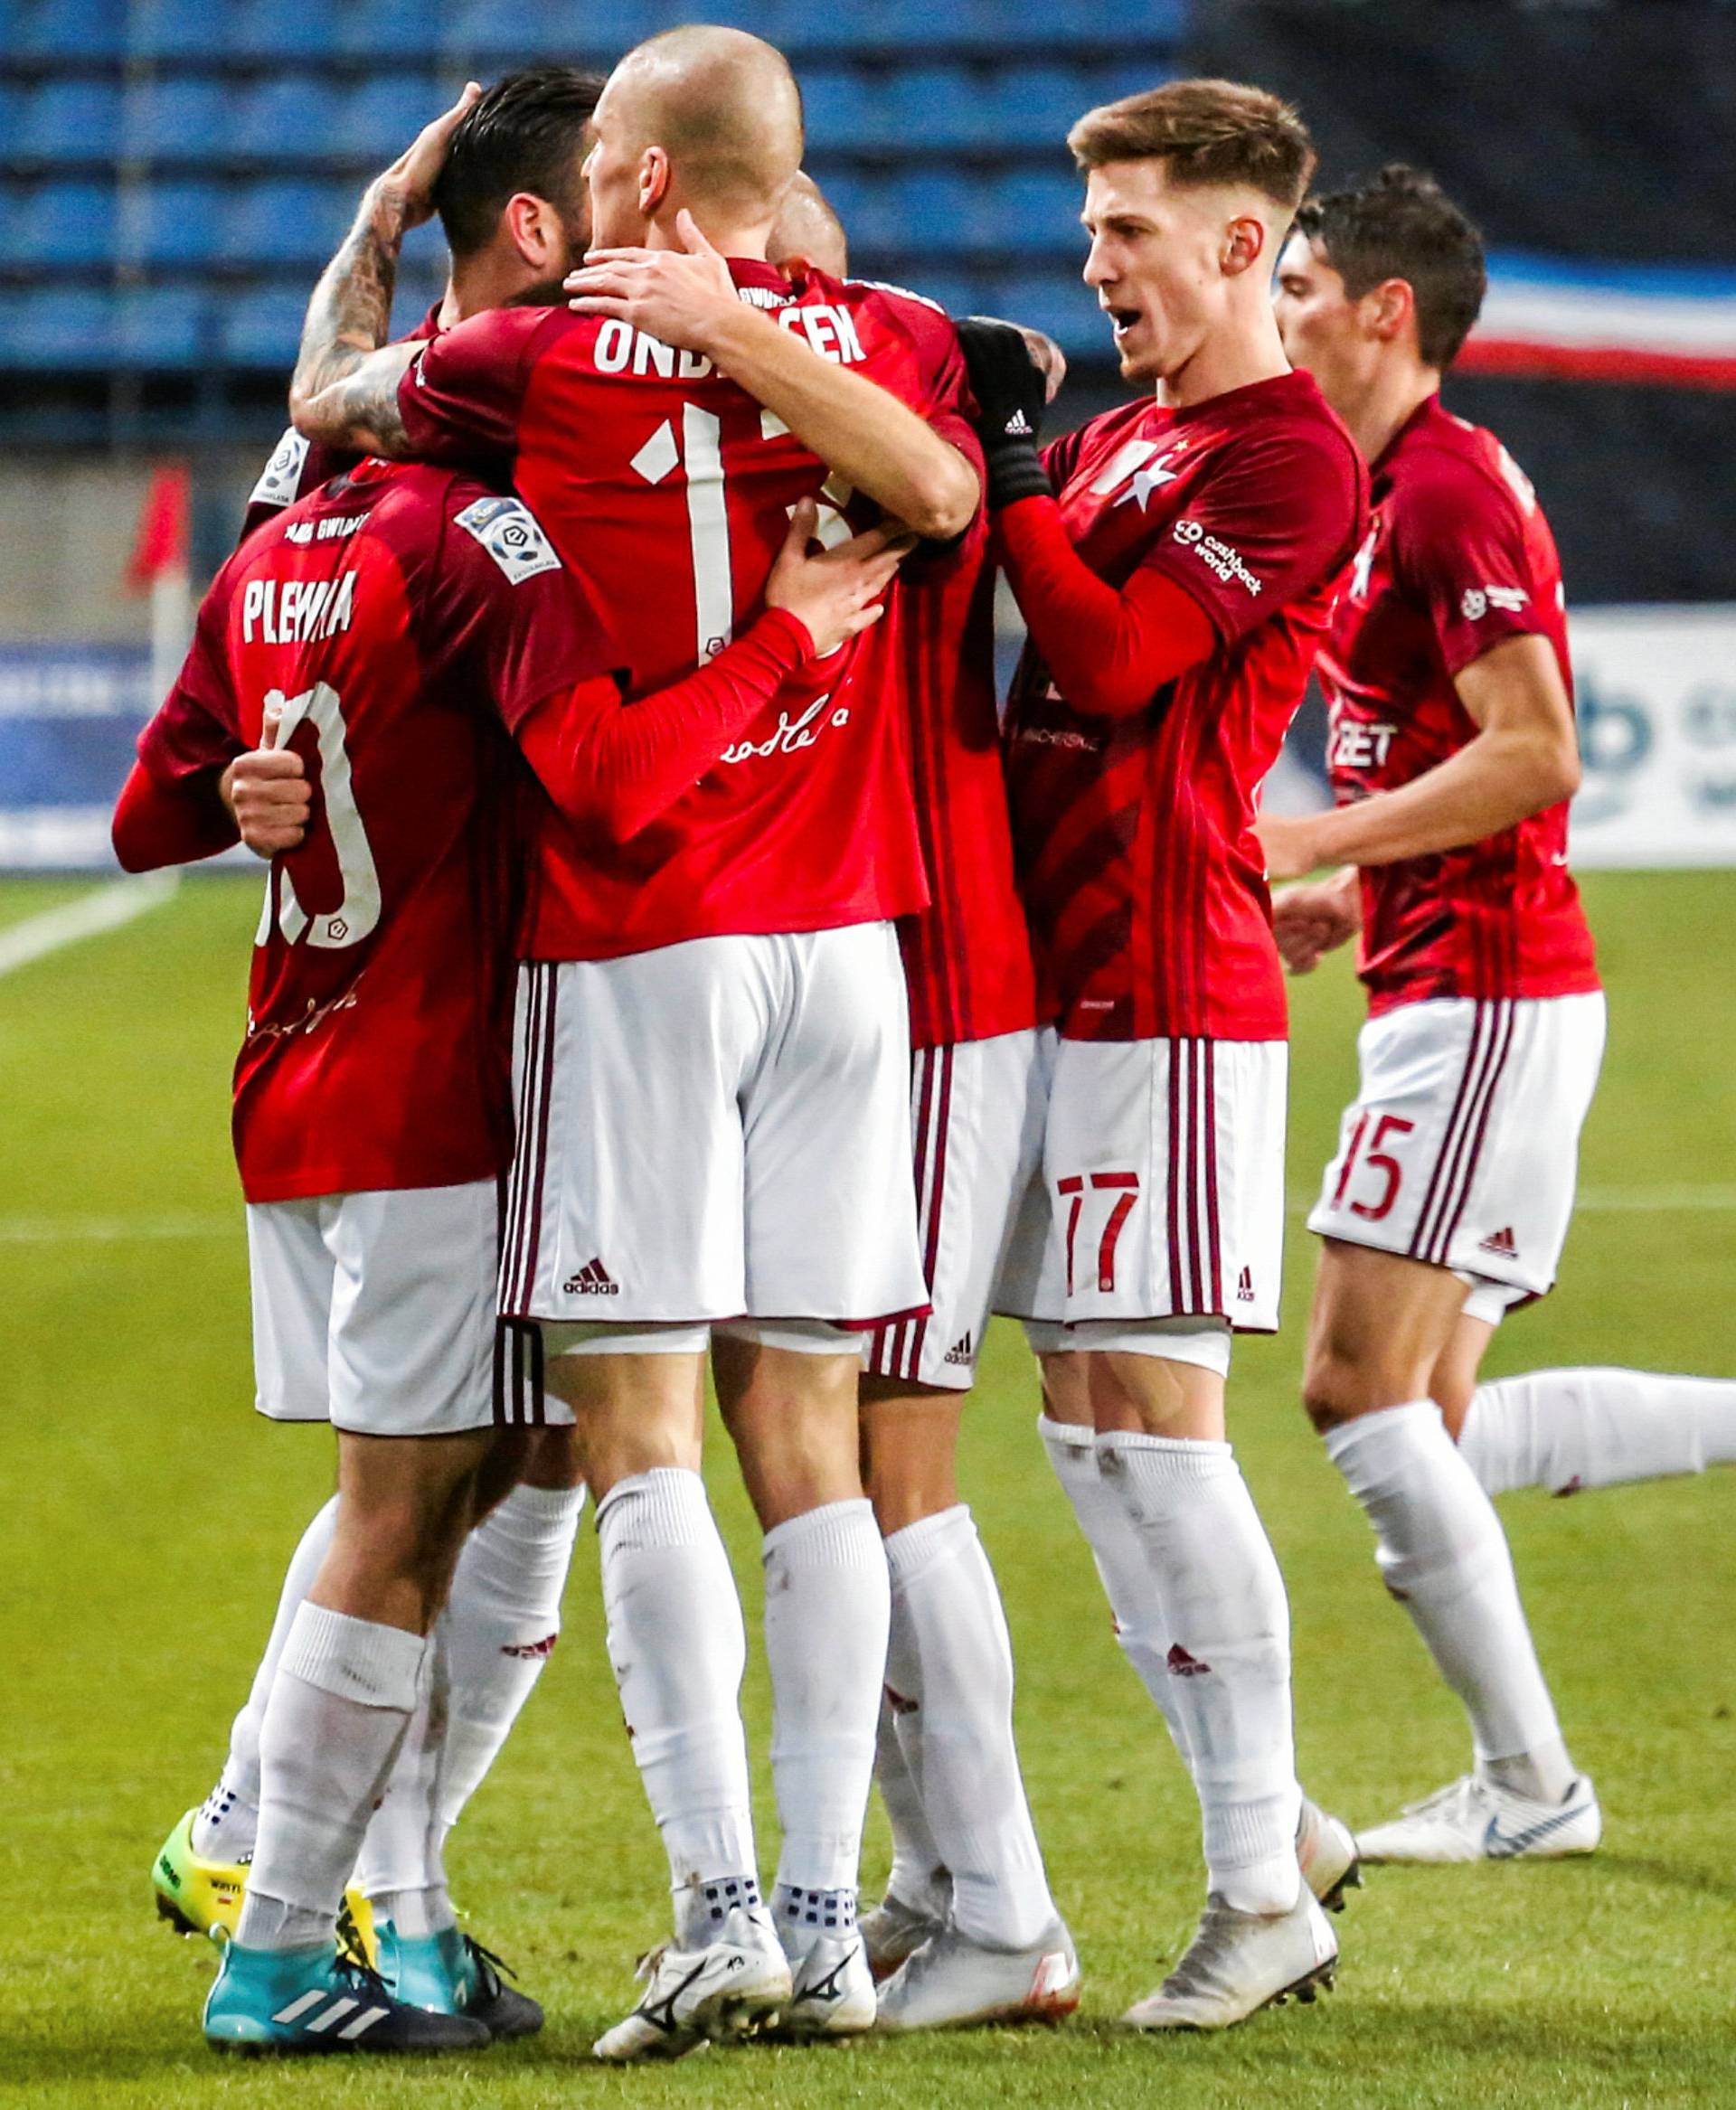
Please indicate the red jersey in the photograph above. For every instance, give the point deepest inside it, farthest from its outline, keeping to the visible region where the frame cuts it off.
(396, 616)
(968, 956)
(299, 465)
(1458, 558)
(667, 490)
(1141, 870)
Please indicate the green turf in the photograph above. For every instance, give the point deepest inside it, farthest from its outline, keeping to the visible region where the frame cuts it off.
(148, 1516)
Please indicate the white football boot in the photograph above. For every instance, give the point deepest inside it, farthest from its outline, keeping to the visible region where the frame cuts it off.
(951, 1982)
(732, 1986)
(895, 1930)
(1478, 1820)
(832, 1988)
(1326, 1851)
(1240, 1962)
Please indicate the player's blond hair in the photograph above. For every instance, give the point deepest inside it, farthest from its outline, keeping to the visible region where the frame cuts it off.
(1204, 132)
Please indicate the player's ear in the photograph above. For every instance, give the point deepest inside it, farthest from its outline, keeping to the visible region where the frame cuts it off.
(1389, 308)
(654, 180)
(534, 227)
(1244, 244)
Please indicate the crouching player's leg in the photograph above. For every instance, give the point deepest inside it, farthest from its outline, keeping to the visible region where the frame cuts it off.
(408, 1377)
(969, 1930)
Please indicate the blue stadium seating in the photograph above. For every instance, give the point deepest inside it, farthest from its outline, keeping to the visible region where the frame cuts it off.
(373, 29)
(162, 329)
(1036, 214)
(58, 226)
(262, 330)
(278, 29)
(941, 106)
(175, 117)
(175, 225)
(285, 117)
(169, 29)
(68, 29)
(1058, 302)
(69, 329)
(63, 122)
(377, 119)
(289, 227)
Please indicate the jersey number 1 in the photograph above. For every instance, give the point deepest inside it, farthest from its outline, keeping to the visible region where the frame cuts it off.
(359, 910)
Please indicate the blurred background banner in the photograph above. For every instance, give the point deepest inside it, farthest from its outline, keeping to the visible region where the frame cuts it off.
(174, 173)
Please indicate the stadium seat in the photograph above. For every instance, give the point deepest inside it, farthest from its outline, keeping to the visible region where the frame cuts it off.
(174, 119)
(1053, 301)
(278, 29)
(1127, 77)
(492, 36)
(940, 211)
(283, 226)
(376, 121)
(287, 117)
(168, 29)
(70, 225)
(838, 109)
(384, 29)
(263, 330)
(67, 29)
(940, 107)
(173, 224)
(57, 331)
(160, 328)
(63, 122)
(1035, 105)
(846, 193)
(1036, 214)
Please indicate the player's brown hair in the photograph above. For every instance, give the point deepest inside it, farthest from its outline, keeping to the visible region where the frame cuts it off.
(526, 133)
(1402, 225)
(1204, 132)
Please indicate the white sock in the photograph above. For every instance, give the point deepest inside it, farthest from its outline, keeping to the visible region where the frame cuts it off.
(1442, 1553)
(918, 1877)
(227, 1825)
(827, 1610)
(946, 1612)
(501, 1626)
(1120, 1560)
(343, 1694)
(678, 1648)
(1221, 1599)
(1564, 1429)
(399, 1870)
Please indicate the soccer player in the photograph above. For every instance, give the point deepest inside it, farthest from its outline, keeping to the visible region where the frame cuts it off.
(751, 1177)
(504, 169)
(1175, 562)
(1453, 753)
(374, 628)
(968, 1913)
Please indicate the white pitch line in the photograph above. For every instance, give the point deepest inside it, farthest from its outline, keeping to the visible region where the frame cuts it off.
(44, 1230)
(106, 910)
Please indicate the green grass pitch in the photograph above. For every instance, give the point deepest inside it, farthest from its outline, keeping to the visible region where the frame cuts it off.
(147, 1516)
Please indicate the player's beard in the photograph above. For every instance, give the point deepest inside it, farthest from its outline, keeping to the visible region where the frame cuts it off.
(550, 292)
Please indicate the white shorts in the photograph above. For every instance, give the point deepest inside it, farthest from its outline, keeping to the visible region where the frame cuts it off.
(714, 1130)
(976, 1108)
(1162, 1190)
(1462, 1148)
(375, 1311)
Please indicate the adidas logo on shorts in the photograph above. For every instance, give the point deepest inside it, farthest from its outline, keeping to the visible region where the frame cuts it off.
(593, 1279)
(1245, 1287)
(960, 1351)
(1500, 1242)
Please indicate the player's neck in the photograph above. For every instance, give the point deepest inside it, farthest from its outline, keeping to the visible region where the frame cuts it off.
(1388, 405)
(1244, 351)
(483, 282)
(729, 240)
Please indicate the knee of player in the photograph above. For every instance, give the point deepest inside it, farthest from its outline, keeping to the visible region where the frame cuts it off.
(1332, 1386)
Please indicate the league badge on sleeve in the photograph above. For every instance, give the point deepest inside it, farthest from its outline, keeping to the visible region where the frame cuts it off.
(280, 480)
(511, 536)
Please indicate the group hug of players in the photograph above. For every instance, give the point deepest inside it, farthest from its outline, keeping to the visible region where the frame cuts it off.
(606, 672)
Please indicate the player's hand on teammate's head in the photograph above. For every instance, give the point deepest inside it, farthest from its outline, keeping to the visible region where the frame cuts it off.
(673, 295)
(1048, 357)
(835, 593)
(267, 791)
(412, 176)
(1012, 391)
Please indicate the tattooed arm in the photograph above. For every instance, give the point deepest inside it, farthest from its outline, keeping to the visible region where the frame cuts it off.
(345, 391)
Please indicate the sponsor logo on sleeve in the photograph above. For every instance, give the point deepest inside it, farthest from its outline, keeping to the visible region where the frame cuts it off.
(511, 536)
(1216, 555)
(1477, 600)
(281, 477)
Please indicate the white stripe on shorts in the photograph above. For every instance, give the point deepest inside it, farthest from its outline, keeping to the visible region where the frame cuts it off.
(1461, 1147)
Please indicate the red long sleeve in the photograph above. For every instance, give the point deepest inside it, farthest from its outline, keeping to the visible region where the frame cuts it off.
(158, 824)
(617, 765)
(1111, 649)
